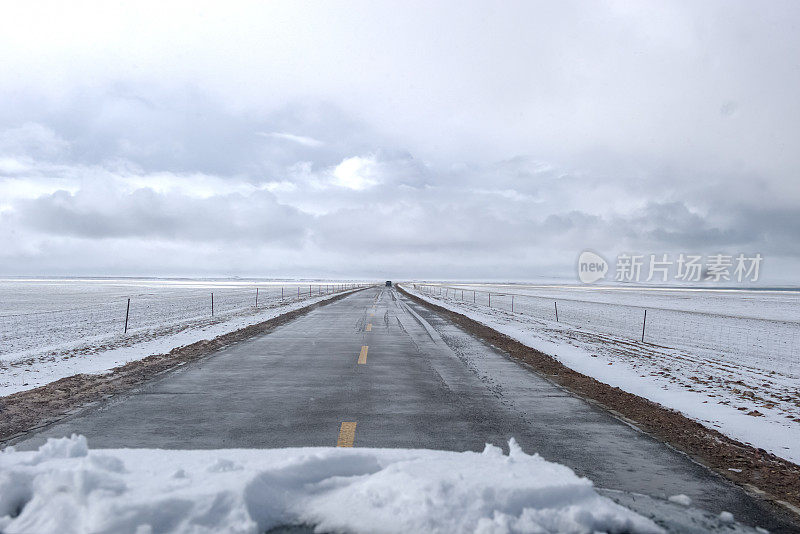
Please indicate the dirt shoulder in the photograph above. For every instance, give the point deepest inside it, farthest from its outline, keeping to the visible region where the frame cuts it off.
(757, 470)
(27, 410)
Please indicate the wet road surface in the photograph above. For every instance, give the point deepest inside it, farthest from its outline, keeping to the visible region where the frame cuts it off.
(397, 375)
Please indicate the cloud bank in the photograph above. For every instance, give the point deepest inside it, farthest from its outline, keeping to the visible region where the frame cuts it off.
(363, 139)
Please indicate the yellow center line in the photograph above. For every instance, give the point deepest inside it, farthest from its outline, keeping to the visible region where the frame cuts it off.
(369, 327)
(362, 357)
(347, 434)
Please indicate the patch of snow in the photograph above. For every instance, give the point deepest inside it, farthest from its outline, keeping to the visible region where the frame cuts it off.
(74, 447)
(726, 517)
(685, 500)
(73, 489)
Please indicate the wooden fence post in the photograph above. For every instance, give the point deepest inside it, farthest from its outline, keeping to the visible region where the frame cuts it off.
(127, 311)
(644, 323)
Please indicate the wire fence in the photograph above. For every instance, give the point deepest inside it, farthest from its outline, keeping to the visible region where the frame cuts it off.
(761, 343)
(128, 313)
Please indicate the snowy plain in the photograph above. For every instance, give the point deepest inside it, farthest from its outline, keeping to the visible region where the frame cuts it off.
(750, 394)
(757, 327)
(51, 329)
(65, 487)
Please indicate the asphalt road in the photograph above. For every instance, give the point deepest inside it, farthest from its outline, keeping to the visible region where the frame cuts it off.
(397, 375)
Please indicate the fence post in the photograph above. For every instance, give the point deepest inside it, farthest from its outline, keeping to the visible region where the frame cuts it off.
(281, 292)
(473, 296)
(644, 323)
(512, 303)
(127, 311)
(212, 304)
(490, 299)
(298, 291)
(555, 303)
(256, 297)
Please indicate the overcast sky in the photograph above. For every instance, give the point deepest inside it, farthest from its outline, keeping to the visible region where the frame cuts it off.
(491, 140)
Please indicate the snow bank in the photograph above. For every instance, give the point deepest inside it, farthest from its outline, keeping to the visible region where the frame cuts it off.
(66, 487)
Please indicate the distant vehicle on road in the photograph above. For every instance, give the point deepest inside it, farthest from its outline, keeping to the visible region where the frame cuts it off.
(388, 283)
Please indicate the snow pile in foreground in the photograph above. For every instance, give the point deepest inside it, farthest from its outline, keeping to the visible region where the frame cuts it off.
(65, 487)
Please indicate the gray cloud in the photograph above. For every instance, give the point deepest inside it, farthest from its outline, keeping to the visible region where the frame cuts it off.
(147, 214)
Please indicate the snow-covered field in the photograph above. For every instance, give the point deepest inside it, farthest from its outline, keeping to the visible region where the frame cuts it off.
(728, 359)
(64, 487)
(50, 329)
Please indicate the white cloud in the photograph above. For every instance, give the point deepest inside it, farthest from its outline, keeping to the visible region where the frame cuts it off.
(299, 139)
(11, 165)
(32, 140)
(356, 173)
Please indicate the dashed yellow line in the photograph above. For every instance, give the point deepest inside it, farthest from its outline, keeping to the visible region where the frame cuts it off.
(347, 434)
(369, 327)
(362, 356)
